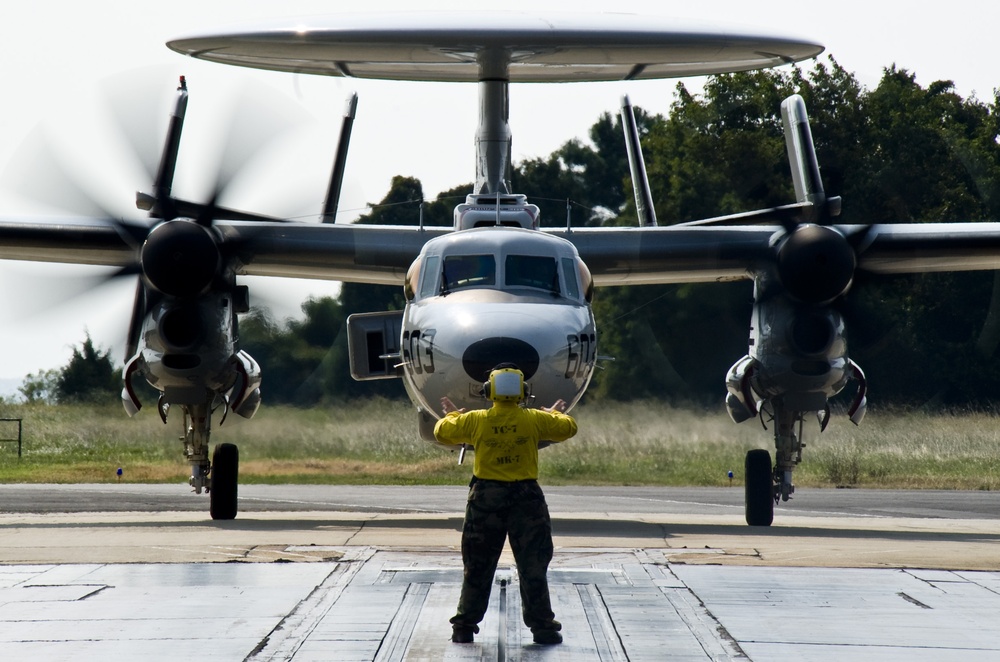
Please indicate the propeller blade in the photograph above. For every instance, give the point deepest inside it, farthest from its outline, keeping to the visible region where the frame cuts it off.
(207, 213)
(255, 122)
(134, 102)
(43, 290)
(38, 174)
(133, 233)
(135, 321)
(173, 256)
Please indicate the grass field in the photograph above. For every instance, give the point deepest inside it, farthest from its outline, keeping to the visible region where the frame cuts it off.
(640, 443)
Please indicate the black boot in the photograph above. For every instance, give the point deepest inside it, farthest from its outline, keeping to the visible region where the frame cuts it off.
(546, 637)
(463, 634)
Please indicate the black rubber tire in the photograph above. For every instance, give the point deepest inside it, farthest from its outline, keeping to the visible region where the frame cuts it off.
(225, 481)
(759, 488)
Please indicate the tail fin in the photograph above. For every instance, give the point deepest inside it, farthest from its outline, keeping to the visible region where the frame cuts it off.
(637, 167)
(802, 158)
(340, 162)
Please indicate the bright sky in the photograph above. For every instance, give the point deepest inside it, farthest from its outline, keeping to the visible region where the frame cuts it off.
(55, 54)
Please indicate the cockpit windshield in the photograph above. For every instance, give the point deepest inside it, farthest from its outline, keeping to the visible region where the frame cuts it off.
(521, 267)
(535, 271)
(469, 271)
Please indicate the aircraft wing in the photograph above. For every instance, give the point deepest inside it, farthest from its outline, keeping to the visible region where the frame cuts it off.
(615, 256)
(680, 254)
(347, 252)
(378, 254)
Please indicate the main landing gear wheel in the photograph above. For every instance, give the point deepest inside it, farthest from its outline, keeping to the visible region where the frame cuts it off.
(759, 488)
(225, 477)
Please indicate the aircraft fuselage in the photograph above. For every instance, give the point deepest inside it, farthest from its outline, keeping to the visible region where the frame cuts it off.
(496, 295)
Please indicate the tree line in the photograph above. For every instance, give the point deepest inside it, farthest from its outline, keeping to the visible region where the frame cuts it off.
(899, 153)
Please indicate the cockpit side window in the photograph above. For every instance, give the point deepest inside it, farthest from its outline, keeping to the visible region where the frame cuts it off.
(531, 271)
(569, 275)
(430, 277)
(468, 271)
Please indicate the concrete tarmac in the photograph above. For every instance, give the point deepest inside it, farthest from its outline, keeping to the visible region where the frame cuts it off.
(373, 573)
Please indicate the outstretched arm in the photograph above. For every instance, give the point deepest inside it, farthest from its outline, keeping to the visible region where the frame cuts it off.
(447, 406)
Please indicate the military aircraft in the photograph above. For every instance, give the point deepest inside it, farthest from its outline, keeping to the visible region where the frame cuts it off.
(499, 285)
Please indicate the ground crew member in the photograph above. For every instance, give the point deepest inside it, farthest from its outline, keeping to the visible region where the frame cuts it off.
(505, 501)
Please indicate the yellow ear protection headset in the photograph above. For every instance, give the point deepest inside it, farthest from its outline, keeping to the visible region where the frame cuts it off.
(506, 384)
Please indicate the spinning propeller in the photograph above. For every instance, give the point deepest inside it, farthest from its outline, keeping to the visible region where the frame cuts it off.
(182, 256)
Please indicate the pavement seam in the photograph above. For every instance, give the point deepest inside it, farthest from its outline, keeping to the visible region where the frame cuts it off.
(293, 630)
(710, 633)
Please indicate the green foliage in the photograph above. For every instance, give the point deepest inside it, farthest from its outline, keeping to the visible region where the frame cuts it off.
(592, 176)
(898, 153)
(90, 376)
(304, 361)
(374, 442)
(393, 210)
(40, 387)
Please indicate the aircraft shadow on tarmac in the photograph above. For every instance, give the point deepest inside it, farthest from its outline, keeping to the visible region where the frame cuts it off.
(666, 531)
(581, 528)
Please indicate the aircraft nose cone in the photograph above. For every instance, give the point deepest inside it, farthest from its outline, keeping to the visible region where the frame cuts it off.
(484, 355)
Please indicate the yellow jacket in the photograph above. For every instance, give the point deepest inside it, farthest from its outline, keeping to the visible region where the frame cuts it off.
(505, 438)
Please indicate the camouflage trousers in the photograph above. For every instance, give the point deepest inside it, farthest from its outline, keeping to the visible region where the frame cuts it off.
(495, 511)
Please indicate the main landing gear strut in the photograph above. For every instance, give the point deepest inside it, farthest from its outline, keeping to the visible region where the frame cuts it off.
(766, 486)
(220, 477)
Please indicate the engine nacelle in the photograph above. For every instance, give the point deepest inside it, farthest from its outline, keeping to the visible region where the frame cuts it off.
(180, 258)
(815, 264)
(188, 352)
